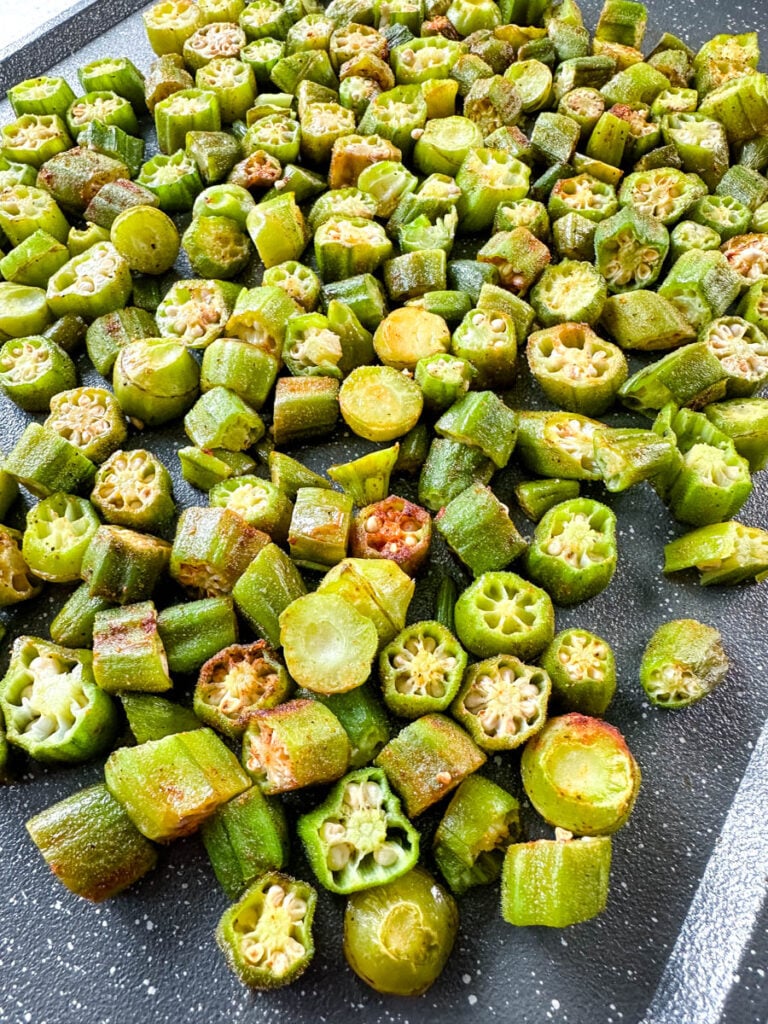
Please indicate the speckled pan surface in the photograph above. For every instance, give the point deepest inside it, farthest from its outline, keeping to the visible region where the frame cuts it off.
(685, 936)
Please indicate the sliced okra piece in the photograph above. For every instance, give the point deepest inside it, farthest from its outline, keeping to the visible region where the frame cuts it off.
(409, 334)
(722, 214)
(25, 209)
(665, 193)
(236, 681)
(535, 497)
(421, 669)
(128, 653)
(165, 76)
(288, 475)
(745, 185)
(92, 284)
(266, 937)
(58, 532)
(386, 183)
(216, 247)
(346, 247)
(451, 306)
(449, 469)
(754, 304)
(478, 529)
(724, 553)
(321, 125)
(212, 549)
(221, 419)
(298, 281)
(630, 250)
(443, 379)
(524, 213)
(268, 586)
(691, 375)
(17, 583)
(90, 419)
(740, 105)
(701, 143)
(414, 447)
(239, 368)
(415, 272)
(258, 170)
(33, 261)
(377, 588)
(188, 110)
(297, 744)
(584, 104)
(116, 74)
(533, 81)
(742, 349)
(224, 200)
(232, 82)
(626, 456)
(193, 632)
(102, 105)
(260, 317)
(745, 422)
(712, 485)
(33, 370)
(111, 141)
(174, 179)
(91, 845)
(480, 419)
(42, 95)
(113, 331)
(196, 312)
(24, 311)
(582, 669)
(479, 822)
(502, 613)
(487, 339)
(747, 255)
(575, 368)
(596, 801)
(362, 294)
(394, 529)
(555, 883)
(68, 332)
(278, 230)
(379, 403)
(488, 177)
(155, 380)
(519, 257)
(365, 479)
(245, 837)
(319, 527)
(683, 662)
(583, 194)
(312, 348)
(259, 502)
(170, 23)
(363, 718)
(646, 321)
(73, 625)
(34, 139)
(344, 203)
(44, 462)
(133, 489)
(304, 407)
(502, 702)
(569, 291)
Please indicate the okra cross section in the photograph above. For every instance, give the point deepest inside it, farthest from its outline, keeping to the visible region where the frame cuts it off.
(212, 549)
(359, 837)
(683, 662)
(236, 681)
(575, 368)
(17, 582)
(503, 613)
(421, 669)
(502, 702)
(724, 553)
(58, 533)
(395, 529)
(582, 668)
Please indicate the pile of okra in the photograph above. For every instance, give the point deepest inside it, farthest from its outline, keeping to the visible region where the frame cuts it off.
(616, 199)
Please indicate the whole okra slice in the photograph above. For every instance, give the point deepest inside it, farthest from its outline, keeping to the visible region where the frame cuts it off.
(193, 632)
(123, 565)
(90, 419)
(421, 669)
(573, 553)
(477, 527)
(626, 455)
(582, 669)
(17, 582)
(744, 421)
(359, 837)
(377, 587)
(91, 845)
(212, 549)
(683, 662)
(128, 653)
(270, 583)
(44, 462)
(52, 707)
(133, 489)
(502, 702)
(575, 368)
(363, 718)
(395, 529)
(558, 444)
(33, 370)
(57, 535)
(503, 613)
(155, 380)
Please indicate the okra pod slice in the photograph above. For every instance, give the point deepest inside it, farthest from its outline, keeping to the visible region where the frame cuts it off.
(575, 368)
(362, 294)
(116, 144)
(262, 55)
(626, 456)
(480, 419)
(91, 845)
(304, 407)
(113, 331)
(267, 587)
(413, 450)
(363, 718)
(487, 339)
(518, 256)
(166, 76)
(347, 247)
(188, 110)
(196, 312)
(224, 200)
(92, 284)
(128, 653)
(170, 23)
(68, 332)
(294, 745)
(533, 81)
(288, 475)
(266, 937)
(34, 139)
(258, 501)
(443, 379)
(692, 375)
(73, 626)
(600, 799)
(193, 632)
(583, 194)
(42, 95)
(17, 583)
(723, 214)
(115, 74)
(502, 613)
(147, 239)
(702, 285)
(221, 419)
(745, 422)
(569, 291)
(394, 529)
(320, 525)
(742, 349)
(407, 335)
(212, 549)
(297, 280)
(582, 669)
(245, 837)
(535, 497)
(478, 529)
(712, 485)
(630, 250)
(33, 370)
(233, 84)
(133, 489)
(451, 306)
(488, 177)
(155, 380)
(34, 260)
(555, 883)
(378, 588)
(379, 403)
(90, 419)
(724, 553)
(421, 669)
(24, 311)
(683, 662)
(174, 179)
(366, 479)
(101, 105)
(646, 321)
(260, 317)
(278, 230)
(25, 209)
(58, 532)
(237, 681)
(216, 247)
(449, 469)
(665, 193)
(502, 702)
(44, 462)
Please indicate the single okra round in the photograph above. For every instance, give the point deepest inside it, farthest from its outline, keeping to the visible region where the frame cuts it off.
(146, 238)
(395, 529)
(359, 837)
(380, 403)
(580, 775)
(573, 553)
(630, 249)
(258, 501)
(300, 743)
(582, 668)
(421, 669)
(742, 349)
(196, 312)
(366, 480)
(58, 532)
(89, 418)
(576, 369)
(212, 548)
(128, 653)
(73, 626)
(217, 247)
(683, 662)
(329, 646)
(133, 489)
(398, 936)
(409, 334)
(266, 937)
(92, 284)
(502, 702)
(487, 339)
(155, 380)
(377, 587)
(17, 582)
(501, 613)
(33, 370)
(748, 256)
(44, 462)
(239, 680)
(569, 291)
(123, 565)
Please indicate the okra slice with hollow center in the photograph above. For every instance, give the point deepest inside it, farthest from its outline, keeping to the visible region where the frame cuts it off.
(92, 284)
(52, 706)
(575, 368)
(329, 645)
(59, 530)
(421, 669)
(501, 613)
(90, 419)
(630, 248)
(395, 529)
(212, 549)
(748, 256)
(580, 775)
(502, 702)
(17, 582)
(359, 837)
(133, 489)
(33, 370)
(582, 668)
(742, 349)
(664, 192)
(267, 936)
(238, 680)
(196, 312)
(683, 662)
(569, 291)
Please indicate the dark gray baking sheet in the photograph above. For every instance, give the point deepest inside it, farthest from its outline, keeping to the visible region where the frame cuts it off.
(684, 938)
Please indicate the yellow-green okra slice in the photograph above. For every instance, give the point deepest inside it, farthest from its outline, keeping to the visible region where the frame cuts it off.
(57, 536)
(363, 718)
(558, 444)
(582, 669)
(478, 529)
(194, 631)
(723, 553)
(91, 845)
(501, 613)
(128, 653)
(377, 587)
(683, 662)
(212, 549)
(502, 702)
(575, 368)
(124, 565)
(89, 418)
(33, 370)
(151, 717)
(421, 669)
(52, 707)
(44, 463)
(394, 529)
(17, 582)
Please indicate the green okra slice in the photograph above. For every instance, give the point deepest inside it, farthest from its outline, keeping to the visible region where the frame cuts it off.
(450, 468)
(151, 717)
(24, 311)
(212, 548)
(646, 321)
(503, 613)
(575, 368)
(52, 707)
(594, 801)
(742, 349)
(259, 502)
(204, 469)
(41, 95)
(221, 419)
(270, 583)
(329, 645)
(224, 200)
(488, 177)
(724, 214)
(519, 257)
(116, 198)
(17, 582)
(683, 662)
(377, 587)
(558, 444)
(245, 837)
(480, 419)
(626, 456)
(175, 181)
(266, 937)
(192, 633)
(34, 139)
(92, 284)
(111, 332)
(359, 837)
(236, 681)
(216, 247)
(122, 565)
(297, 280)
(712, 485)
(366, 479)
(170, 786)
(409, 334)
(89, 418)
(478, 529)
(116, 74)
(689, 234)
(427, 759)
(395, 529)
(665, 193)
(479, 822)
(630, 249)
(569, 291)
(25, 208)
(535, 497)
(692, 375)
(583, 194)
(260, 316)
(413, 450)
(443, 379)
(33, 370)
(297, 744)
(241, 368)
(555, 883)
(702, 284)
(421, 669)
(128, 653)
(68, 332)
(34, 260)
(133, 489)
(73, 625)
(57, 535)
(380, 403)
(363, 718)
(91, 845)
(754, 304)
(44, 463)
(288, 475)
(155, 380)
(582, 669)
(745, 422)
(195, 312)
(319, 528)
